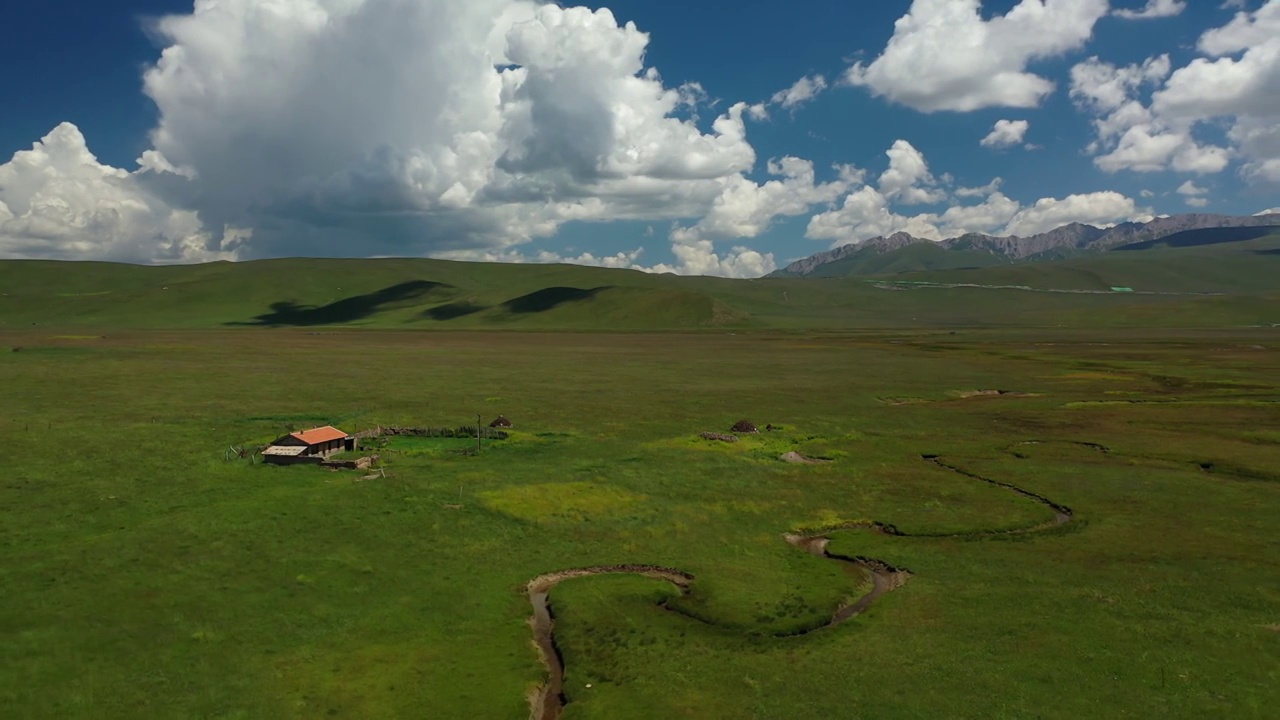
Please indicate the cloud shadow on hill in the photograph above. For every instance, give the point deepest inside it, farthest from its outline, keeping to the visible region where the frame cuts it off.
(549, 299)
(1204, 236)
(454, 310)
(290, 314)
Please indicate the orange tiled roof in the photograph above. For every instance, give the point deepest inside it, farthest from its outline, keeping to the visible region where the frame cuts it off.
(320, 435)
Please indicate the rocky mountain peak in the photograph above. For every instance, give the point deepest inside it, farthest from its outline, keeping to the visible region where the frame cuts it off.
(1068, 239)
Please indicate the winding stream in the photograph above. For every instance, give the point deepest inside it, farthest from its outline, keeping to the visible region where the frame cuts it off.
(548, 701)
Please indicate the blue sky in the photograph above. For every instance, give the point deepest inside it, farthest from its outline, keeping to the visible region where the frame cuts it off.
(499, 129)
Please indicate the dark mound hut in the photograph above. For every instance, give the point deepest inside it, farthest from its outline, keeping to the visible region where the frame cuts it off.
(500, 422)
(744, 426)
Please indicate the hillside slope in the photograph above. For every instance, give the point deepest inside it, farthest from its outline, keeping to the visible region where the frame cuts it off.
(323, 292)
(436, 294)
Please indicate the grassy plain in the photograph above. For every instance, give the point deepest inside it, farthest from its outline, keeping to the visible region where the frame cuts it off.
(144, 575)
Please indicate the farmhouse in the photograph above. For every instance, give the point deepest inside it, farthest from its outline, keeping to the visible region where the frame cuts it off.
(308, 446)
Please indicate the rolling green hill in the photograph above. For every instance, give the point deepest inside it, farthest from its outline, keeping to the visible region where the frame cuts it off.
(320, 292)
(1233, 260)
(437, 294)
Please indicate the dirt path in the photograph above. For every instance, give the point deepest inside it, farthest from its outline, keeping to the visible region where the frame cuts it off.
(548, 701)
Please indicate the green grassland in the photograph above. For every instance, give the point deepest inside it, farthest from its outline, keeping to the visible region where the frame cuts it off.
(143, 574)
(414, 294)
(145, 571)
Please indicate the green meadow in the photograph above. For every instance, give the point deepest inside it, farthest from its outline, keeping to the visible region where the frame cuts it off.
(147, 572)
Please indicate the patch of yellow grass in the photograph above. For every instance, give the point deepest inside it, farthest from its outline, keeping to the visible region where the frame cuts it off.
(76, 337)
(571, 501)
(827, 520)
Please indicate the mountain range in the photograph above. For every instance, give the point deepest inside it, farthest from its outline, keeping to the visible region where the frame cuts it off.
(902, 252)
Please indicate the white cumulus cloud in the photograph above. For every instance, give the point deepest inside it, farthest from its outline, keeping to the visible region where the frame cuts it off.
(864, 214)
(1154, 9)
(1244, 31)
(805, 89)
(745, 209)
(981, 191)
(57, 201)
(627, 259)
(1131, 134)
(1240, 81)
(1098, 209)
(1006, 133)
(696, 256)
(388, 127)
(1235, 83)
(476, 122)
(867, 211)
(944, 56)
(908, 180)
(992, 215)
(801, 92)
(1107, 88)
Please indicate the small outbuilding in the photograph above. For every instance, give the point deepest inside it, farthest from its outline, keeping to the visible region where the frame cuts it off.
(500, 422)
(308, 446)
